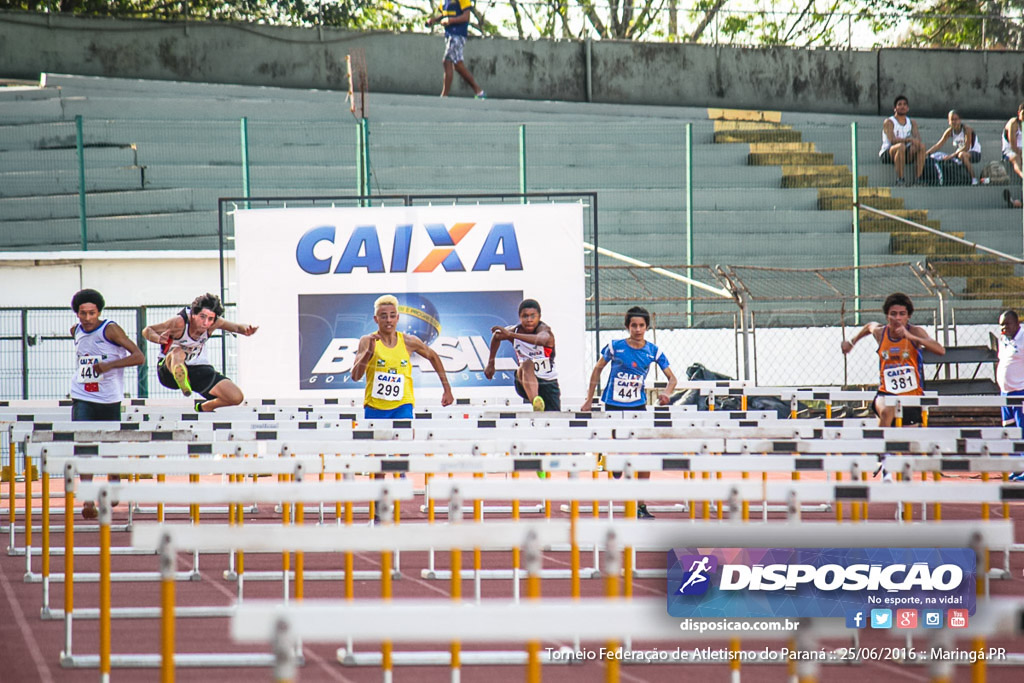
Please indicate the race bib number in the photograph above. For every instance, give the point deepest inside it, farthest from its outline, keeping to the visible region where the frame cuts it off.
(627, 390)
(542, 365)
(87, 373)
(388, 387)
(900, 380)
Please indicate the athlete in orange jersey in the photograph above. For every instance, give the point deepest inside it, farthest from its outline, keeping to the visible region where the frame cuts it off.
(899, 357)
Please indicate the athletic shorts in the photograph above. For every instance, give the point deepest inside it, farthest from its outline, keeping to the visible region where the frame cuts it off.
(609, 407)
(402, 412)
(202, 378)
(1013, 415)
(885, 156)
(911, 414)
(548, 390)
(87, 411)
(453, 47)
(975, 157)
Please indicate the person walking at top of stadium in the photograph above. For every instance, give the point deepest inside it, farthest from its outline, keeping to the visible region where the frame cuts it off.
(455, 16)
(534, 345)
(899, 357)
(631, 359)
(183, 361)
(384, 358)
(1010, 370)
(966, 145)
(901, 142)
(102, 352)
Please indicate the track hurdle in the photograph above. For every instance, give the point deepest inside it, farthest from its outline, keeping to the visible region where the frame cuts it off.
(196, 494)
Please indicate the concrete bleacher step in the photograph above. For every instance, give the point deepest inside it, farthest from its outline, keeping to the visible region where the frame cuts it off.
(107, 229)
(870, 222)
(818, 176)
(32, 111)
(843, 200)
(22, 93)
(66, 158)
(45, 183)
(789, 159)
(927, 243)
(104, 204)
(970, 265)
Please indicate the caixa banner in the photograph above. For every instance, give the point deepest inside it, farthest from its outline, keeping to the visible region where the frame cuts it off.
(817, 582)
(308, 278)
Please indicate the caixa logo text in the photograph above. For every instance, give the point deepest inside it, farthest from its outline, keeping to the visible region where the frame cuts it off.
(362, 249)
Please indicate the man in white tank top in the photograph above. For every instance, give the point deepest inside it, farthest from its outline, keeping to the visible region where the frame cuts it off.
(102, 352)
(1012, 136)
(901, 142)
(183, 361)
(966, 145)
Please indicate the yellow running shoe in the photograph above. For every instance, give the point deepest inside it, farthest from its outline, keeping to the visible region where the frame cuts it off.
(538, 404)
(181, 379)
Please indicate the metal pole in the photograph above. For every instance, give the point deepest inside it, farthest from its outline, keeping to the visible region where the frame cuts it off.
(245, 159)
(80, 146)
(360, 189)
(855, 192)
(142, 380)
(597, 283)
(522, 162)
(364, 125)
(24, 369)
(745, 331)
(689, 222)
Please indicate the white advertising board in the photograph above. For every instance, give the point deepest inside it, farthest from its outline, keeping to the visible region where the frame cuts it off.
(308, 278)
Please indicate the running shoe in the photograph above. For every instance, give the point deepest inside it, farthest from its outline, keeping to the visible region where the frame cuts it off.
(181, 379)
(642, 513)
(1019, 476)
(480, 95)
(542, 475)
(199, 406)
(538, 404)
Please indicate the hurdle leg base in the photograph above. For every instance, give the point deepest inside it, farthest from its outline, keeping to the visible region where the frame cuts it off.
(998, 573)
(230, 575)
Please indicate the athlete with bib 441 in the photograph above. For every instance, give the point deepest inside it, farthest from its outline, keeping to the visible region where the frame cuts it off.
(899, 357)
(384, 358)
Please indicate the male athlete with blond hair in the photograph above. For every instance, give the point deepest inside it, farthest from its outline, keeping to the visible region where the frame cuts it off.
(383, 357)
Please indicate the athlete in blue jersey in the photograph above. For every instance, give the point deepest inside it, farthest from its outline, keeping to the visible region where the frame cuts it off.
(630, 358)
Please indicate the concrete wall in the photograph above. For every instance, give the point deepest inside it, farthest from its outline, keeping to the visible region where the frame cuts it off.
(982, 84)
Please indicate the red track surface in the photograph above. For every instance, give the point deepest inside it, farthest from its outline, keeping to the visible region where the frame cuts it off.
(30, 647)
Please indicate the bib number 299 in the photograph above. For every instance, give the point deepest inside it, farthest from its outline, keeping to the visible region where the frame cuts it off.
(388, 387)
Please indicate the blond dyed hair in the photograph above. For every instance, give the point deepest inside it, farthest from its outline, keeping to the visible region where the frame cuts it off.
(387, 299)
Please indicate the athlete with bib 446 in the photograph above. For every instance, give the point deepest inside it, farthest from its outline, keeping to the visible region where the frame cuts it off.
(899, 357)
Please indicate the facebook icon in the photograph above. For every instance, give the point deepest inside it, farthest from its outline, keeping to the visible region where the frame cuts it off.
(856, 619)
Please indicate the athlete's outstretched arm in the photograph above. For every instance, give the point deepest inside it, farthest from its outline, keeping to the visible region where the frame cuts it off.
(161, 332)
(235, 328)
(670, 388)
(870, 328)
(135, 356)
(415, 345)
(363, 355)
(919, 335)
(498, 334)
(595, 379)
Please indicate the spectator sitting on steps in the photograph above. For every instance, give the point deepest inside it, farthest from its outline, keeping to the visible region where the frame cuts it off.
(966, 145)
(901, 141)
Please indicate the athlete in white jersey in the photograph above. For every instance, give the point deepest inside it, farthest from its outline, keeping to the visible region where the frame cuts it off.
(1013, 138)
(534, 346)
(966, 145)
(901, 142)
(183, 361)
(102, 352)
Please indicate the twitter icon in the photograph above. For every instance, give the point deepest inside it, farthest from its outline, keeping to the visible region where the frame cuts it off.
(881, 618)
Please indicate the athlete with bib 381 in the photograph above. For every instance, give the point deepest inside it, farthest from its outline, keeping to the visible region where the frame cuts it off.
(384, 358)
(899, 357)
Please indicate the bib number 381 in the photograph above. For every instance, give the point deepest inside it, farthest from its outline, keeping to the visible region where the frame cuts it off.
(388, 387)
(900, 380)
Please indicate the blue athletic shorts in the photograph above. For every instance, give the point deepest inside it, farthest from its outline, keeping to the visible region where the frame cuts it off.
(402, 412)
(1013, 415)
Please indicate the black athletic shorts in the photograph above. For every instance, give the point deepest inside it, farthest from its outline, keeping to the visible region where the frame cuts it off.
(911, 414)
(624, 409)
(87, 411)
(202, 378)
(548, 390)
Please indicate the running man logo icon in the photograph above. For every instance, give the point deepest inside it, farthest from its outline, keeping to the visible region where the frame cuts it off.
(696, 580)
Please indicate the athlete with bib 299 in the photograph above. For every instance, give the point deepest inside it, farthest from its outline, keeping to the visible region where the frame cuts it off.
(384, 358)
(534, 345)
(899, 357)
